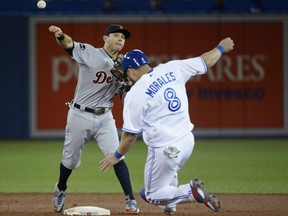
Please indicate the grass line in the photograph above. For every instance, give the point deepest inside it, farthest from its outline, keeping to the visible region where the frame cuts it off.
(226, 166)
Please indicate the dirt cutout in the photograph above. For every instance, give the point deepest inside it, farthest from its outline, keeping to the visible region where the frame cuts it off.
(12, 204)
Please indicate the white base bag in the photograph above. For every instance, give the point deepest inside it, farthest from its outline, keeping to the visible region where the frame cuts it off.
(86, 210)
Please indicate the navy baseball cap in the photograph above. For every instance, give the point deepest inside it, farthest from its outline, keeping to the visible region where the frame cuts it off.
(117, 28)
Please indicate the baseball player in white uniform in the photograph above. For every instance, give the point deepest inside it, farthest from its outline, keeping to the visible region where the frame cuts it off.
(90, 116)
(157, 107)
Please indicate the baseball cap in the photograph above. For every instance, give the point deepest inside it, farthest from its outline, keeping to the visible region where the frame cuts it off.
(117, 28)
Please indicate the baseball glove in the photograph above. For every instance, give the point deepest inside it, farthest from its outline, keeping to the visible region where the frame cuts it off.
(117, 70)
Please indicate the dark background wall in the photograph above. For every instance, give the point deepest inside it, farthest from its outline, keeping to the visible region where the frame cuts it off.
(14, 77)
(137, 6)
(14, 37)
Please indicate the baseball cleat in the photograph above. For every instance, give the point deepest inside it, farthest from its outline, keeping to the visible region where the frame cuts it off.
(132, 207)
(203, 196)
(169, 211)
(58, 199)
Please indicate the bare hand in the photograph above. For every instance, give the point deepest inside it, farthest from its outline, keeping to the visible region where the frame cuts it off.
(108, 162)
(227, 44)
(56, 30)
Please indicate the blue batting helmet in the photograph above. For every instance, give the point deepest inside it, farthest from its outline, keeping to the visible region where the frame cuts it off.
(134, 59)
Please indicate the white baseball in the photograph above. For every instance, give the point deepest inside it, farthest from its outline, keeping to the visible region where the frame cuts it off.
(41, 4)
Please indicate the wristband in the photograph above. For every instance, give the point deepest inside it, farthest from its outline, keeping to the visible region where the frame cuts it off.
(61, 37)
(117, 155)
(220, 48)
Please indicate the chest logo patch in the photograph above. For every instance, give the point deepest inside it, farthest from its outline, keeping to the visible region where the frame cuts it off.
(101, 77)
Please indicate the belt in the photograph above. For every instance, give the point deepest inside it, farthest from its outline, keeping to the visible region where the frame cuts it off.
(97, 111)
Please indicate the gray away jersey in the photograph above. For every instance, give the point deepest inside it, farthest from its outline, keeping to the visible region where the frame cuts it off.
(96, 85)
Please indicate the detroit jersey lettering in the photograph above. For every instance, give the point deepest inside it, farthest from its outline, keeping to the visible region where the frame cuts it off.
(95, 87)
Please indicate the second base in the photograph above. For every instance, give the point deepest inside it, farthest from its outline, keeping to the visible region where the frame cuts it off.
(86, 210)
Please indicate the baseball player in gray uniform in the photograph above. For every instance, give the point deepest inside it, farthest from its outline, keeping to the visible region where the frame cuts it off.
(89, 116)
(157, 106)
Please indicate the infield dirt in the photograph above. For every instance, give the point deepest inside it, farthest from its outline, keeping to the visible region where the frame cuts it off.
(12, 204)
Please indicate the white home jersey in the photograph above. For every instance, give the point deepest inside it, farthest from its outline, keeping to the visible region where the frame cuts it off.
(157, 104)
(96, 86)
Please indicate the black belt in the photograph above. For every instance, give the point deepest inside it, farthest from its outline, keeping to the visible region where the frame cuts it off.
(97, 111)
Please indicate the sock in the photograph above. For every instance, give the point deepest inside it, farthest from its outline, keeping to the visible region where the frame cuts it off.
(63, 178)
(122, 173)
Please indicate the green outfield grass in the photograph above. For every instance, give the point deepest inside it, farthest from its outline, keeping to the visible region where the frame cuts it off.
(226, 166)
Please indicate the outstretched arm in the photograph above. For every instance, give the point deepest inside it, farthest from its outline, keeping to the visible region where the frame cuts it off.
(64, 40)
(127, 141)
(211, 57)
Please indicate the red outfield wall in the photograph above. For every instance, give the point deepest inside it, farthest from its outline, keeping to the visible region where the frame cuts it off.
(244, 90)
